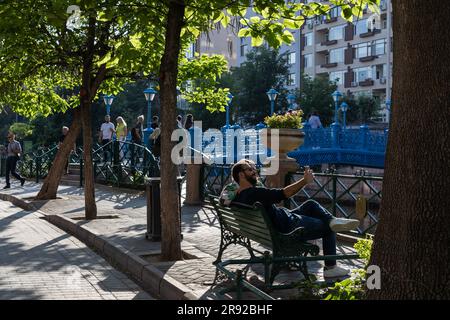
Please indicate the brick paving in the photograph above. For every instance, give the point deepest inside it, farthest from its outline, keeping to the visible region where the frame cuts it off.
(40, 261)
(124, 223)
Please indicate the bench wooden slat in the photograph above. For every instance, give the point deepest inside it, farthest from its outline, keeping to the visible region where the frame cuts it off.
(256, 234)
(251, 236)
(255, 221)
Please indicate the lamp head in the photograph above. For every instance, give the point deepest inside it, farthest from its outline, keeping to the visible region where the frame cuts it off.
(149, 94)
(272, 94)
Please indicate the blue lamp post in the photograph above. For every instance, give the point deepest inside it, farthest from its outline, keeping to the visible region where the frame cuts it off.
(291, 100)
(108, 99)
(336, 95)
(272, 95)
(344, 108)
(230, 98)
(149, 96)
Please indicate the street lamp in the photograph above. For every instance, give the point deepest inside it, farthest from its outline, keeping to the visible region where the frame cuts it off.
(336, 95)
(229, 99)
(149, 96)
(344, 108)
(108, 99)
(272, 95)
(291, 100)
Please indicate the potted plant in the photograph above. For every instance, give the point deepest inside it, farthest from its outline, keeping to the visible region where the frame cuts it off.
(289, 127)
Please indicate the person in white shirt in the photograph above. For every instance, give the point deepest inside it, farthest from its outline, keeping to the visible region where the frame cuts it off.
(314, 121)
(106, 131)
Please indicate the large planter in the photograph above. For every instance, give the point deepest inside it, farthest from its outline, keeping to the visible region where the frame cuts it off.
(289, 140)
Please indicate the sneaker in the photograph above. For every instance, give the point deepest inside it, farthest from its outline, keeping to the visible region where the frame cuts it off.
(7, 186)
(22, 182)
(342, 224)
(335, 272)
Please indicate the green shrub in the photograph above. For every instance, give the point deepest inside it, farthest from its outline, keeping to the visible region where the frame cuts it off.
(289, 120)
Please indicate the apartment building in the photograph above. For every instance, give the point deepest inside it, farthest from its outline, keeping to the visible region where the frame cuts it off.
(219, 41)
(358, 55)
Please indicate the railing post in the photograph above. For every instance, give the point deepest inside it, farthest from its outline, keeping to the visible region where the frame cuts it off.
(116, 161)
(193, 181)
(239, 284)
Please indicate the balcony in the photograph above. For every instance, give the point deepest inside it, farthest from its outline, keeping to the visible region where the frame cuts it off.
(328, 43)
(329, 65)
(369, 33)
(366, 83)
(367, 59)
(331, 20)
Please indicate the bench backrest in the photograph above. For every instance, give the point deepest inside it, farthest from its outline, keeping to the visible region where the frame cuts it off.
(251, 222)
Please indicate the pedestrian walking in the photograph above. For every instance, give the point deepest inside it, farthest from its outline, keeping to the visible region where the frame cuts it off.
(189, 121)
(314, 121)
(121, 133)
(106, 132)
(14, 151)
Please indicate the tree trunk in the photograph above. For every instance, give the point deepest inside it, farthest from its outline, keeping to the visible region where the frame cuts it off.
(89, 186)
(51, 182)
(170, 219)
(411, 244)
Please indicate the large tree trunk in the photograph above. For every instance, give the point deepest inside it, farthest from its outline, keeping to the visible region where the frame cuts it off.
(89, 185)
(51, 182)
(170, 219)
(411, 244)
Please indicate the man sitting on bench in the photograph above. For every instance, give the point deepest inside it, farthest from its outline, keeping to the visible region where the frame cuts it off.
(315, 219)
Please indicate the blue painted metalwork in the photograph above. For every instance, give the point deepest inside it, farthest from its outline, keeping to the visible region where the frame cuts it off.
(360, 147)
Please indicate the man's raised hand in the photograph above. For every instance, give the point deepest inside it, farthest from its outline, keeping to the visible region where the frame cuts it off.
(308, 176)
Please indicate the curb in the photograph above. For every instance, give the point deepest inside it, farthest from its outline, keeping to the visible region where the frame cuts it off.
(147, 275)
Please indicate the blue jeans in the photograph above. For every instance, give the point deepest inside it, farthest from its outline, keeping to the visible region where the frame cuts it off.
(315, 219)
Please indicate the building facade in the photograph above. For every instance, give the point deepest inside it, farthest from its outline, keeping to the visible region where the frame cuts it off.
(357, 56)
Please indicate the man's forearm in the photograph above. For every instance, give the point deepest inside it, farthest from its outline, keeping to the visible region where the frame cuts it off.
(292, 189)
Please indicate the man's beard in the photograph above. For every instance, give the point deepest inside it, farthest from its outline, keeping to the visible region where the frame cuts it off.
(252, 180)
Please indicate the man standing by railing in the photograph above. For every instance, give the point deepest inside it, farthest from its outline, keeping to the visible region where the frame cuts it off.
(106, 131)
(13, 153)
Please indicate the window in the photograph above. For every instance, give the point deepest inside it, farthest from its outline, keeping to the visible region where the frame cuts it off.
(335, 12)
(361, 26)
(363, 50)
(362, 74)
(337, 76)
(291, 58)
(291, 79)
(336, 33)
(336, 55)
(379, 46)
(307, 58)
(308, 39)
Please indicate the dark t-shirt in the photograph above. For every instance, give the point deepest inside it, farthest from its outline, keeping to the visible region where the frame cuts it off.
(61, 138)
(281, 217)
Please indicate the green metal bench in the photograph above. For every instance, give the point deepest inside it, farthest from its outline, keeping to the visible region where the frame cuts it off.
(242, 224)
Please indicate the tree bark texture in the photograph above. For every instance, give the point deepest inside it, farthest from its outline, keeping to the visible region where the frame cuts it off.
(50, 187)
(170, 219)
(412, 241)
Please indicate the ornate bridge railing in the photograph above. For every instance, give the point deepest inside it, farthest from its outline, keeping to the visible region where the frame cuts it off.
(351, 196)
(360, 147)
(124, 163)
(121, 164)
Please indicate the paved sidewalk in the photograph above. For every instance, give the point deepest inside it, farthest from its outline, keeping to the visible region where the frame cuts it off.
(40, 261)
(122, 224)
